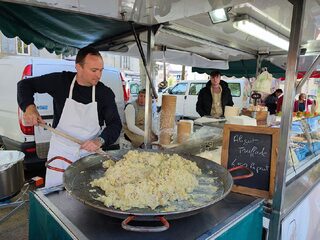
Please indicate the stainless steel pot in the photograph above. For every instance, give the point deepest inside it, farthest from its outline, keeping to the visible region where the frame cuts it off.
(11, 177)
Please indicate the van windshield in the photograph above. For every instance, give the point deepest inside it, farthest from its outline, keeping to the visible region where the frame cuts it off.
(195, 88)
(179, 89)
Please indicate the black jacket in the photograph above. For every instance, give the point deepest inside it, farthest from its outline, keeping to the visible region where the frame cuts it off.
(58, 85)
(271, 103)
(204, 103)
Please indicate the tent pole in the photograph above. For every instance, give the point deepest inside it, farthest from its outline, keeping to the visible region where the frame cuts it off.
(308, 73)
(286, 119)
(183, 72)
(258, 67)
(149, 85)
(154, 92)
(164, 66)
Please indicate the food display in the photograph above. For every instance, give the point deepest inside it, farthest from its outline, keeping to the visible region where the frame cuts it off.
(260, 113)
(257, 108)
(148, 180)
(304, 139)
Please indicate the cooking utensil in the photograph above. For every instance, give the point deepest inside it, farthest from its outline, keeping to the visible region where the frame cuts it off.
(78, 176)
(12, 176)
(71, 138)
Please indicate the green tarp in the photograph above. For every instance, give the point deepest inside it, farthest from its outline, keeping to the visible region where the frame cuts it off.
(57, 31)
(245, 68)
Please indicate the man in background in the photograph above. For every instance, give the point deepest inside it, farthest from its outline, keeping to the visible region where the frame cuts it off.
(134, 121)
(213, 98)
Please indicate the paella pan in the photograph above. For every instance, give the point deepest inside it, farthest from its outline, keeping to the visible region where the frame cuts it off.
(78, 176)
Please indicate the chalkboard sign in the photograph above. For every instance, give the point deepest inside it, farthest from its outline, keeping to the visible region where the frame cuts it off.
(254, 148)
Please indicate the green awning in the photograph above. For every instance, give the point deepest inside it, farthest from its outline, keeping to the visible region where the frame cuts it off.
(57, 31)
(244, 68)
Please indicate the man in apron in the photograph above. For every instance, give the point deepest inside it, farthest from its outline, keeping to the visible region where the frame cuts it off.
(134, 121)
(82, 105)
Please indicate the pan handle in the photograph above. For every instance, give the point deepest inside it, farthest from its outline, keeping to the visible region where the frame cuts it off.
(125, 225)
(250, 173)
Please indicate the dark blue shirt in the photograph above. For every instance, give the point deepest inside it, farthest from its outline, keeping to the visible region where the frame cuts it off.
(302, 107)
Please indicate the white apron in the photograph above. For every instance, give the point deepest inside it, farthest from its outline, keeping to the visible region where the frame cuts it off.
(78, 120)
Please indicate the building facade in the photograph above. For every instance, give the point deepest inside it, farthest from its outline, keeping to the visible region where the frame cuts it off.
(16, 47)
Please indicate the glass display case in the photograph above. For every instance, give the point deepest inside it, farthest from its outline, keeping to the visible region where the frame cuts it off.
(304, 145)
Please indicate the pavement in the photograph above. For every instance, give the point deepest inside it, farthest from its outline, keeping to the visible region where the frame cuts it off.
(16, 225)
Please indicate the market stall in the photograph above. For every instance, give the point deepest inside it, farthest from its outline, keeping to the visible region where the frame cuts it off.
(294, 182)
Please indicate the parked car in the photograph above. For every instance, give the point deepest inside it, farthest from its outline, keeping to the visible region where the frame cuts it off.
(131, 85)
(14, 134)
(187, 92)
(134, 88)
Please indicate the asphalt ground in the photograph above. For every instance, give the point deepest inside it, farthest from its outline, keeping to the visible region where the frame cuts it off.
(15, 226)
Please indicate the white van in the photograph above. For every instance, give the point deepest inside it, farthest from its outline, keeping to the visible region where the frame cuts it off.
(187, 92)
(13, 133)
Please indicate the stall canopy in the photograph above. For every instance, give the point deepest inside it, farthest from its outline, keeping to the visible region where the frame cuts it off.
(58, 31)
(170, 56)
(245, 68)
(315, 74)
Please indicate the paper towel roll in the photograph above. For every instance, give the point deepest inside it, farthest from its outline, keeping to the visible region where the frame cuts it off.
(185, 128)
(168, 111)
(165, 136)
(168, 104)
(167, 118)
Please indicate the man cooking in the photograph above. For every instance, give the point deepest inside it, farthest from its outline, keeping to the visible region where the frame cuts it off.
(82, 105)
(213, 98)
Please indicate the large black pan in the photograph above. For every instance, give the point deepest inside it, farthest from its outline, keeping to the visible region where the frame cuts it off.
(78, 176)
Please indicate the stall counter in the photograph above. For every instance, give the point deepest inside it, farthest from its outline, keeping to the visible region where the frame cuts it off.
(59, 216)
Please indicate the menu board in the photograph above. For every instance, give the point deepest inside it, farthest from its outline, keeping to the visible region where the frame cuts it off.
(255, 149)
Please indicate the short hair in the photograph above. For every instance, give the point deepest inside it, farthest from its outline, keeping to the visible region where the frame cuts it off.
(83, 52)
(215, 74)
(279, 90)
(142, 91)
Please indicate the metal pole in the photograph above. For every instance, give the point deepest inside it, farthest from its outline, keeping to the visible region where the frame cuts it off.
(258, 67)
(148, 106)
(164, 67)
(138, 42)
(286, 119)
(183, 72)
(308, 73)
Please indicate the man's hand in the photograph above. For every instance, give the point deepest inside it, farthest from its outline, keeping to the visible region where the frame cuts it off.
(32, 116)
(91, 145)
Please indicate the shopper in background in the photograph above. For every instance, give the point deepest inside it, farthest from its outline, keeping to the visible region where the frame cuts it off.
(279, 104)
(272, 100)
(213, 98)
(302, 104)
